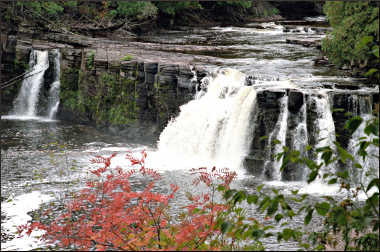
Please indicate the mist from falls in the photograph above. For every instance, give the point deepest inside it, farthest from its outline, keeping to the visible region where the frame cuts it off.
(217, 127)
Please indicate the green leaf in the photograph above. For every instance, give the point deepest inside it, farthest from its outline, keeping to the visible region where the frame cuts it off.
(370, 72)
(364, 41)
(371, 128)
(269, 234)
(374, 182)
(263, 138)
(252, 199)
(228, 193)
(239, 196)
(332, 181)
(359, 166)
(340, 216)
(343, 175)
(343, 154)
(326, 156)
(260, 187)
(275, 141)
(322, 208)
(264, 203)
(353, 123)
(375, 50)
(273, 207)
(312, 176)
(375, 142)
(257, 233)
(290, 214)
(278, 217)
(224, 227)
(287, 233)
(221, 188)
(310, 163)
(294, 192)
(308, 216)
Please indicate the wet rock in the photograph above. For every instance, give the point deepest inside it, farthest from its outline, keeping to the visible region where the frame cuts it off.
(295, 101)
(303, 22)
(307, 42)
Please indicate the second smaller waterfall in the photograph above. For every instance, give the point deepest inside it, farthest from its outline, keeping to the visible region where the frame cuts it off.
(26, 102)
(53, 99)
(31, 100)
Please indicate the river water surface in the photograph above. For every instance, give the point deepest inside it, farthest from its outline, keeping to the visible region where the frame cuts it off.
(41, 159)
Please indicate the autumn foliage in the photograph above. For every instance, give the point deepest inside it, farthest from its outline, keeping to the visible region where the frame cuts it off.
(110, 214)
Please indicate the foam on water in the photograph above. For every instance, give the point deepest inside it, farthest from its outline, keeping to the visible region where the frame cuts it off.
(17, 210)
(28, 118)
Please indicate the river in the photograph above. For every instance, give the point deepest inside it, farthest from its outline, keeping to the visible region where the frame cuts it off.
(42, 159)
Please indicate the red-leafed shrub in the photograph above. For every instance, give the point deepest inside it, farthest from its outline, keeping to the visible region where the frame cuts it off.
(110, 214)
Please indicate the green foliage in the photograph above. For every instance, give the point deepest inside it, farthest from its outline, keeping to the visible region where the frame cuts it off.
(347, 219)
(239, 3)
(210, 223)
(173, 8)
(355, 37)
(127, 57)
(50, 9)
(70, 3)
(91, 61)
(136, 9)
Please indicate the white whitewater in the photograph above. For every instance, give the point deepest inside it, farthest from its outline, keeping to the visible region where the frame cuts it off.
(53, 99)
(370, 164)
(325, 128)
(279, 133)
(216, 127)
(25, 105)
(299, 135)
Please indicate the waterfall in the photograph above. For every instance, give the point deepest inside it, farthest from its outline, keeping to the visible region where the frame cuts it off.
(53, 99)
(298, 140)
(279, 133)
(362, 107)
(325, 128)
(216, 127)
(25, 105)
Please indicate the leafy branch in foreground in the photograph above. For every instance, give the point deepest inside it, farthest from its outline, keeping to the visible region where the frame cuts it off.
(112, 214)
(346, 219)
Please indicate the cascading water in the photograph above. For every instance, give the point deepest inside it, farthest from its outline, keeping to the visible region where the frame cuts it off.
(26, 101)
(25, 106)
(298, 139)
(53, 99)
(272, 166)
(325, 127)
(215, 127)
(370, 165)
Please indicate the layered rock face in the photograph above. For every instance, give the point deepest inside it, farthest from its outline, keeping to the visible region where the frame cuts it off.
(113, 85)
(313, 118)
(133, 88)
